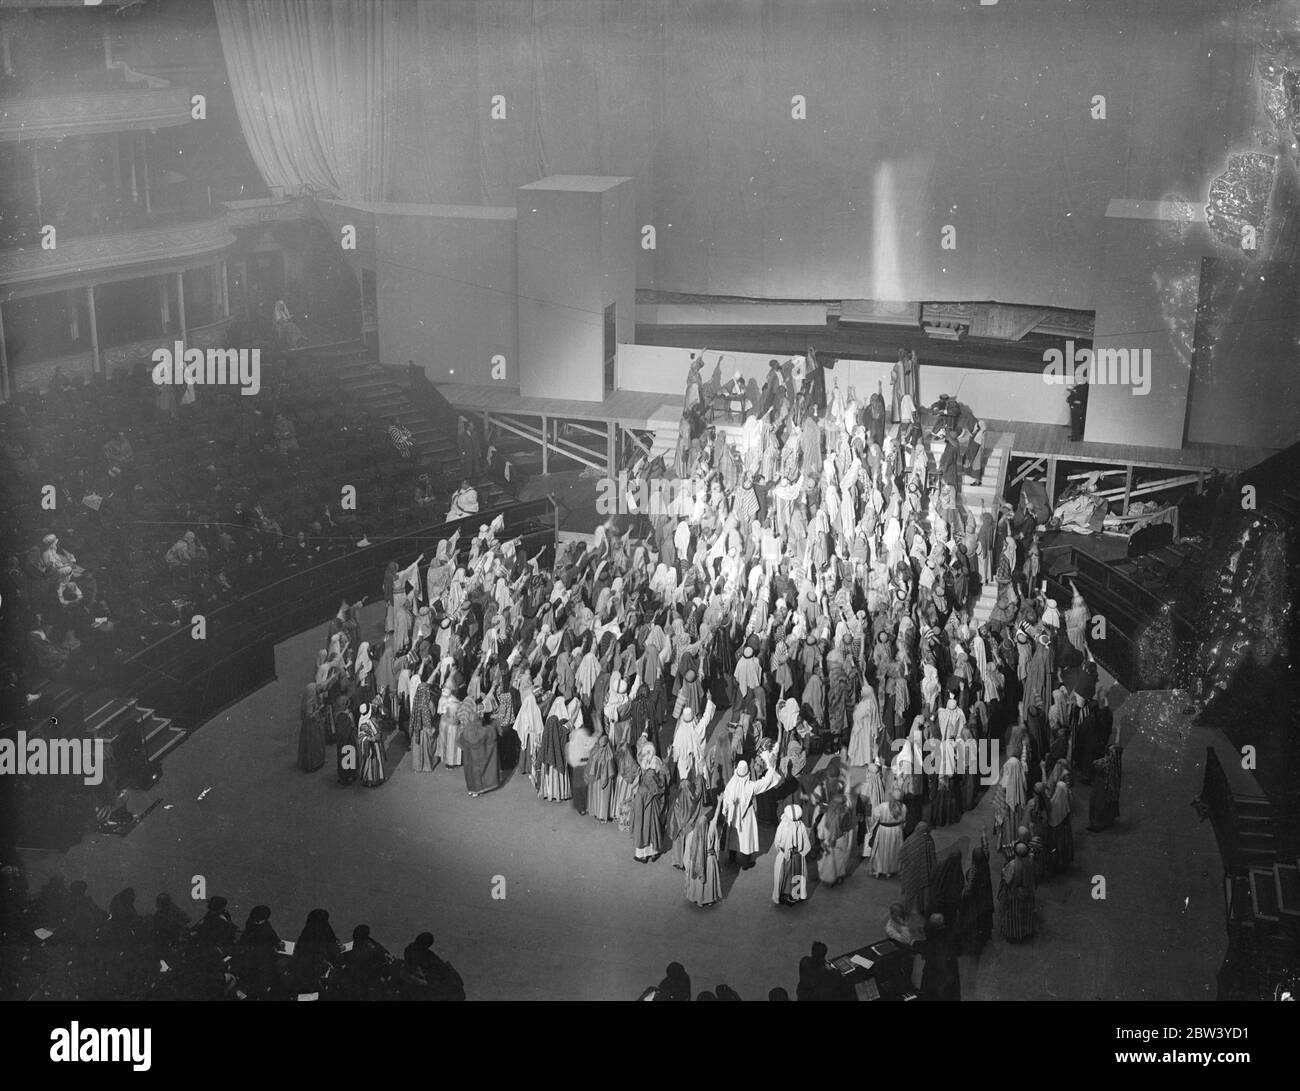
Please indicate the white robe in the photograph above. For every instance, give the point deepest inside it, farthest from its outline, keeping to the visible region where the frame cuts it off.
(528, 721)
(866, 728)
(749, 675)
(688, 745)
(738, 808)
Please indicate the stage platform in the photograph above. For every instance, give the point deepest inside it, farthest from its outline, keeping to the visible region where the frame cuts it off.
(630, 408)
(1053, 441)
(639, 410)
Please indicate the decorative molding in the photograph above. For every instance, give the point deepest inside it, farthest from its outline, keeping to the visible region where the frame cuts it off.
(1007, 321)
(949, 315)
(123, 256)
(1068, 324)
(879, 312)
(36, 375)
(87, 113)
(258, 213)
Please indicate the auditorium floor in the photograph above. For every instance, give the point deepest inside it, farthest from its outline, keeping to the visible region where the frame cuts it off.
(582, 920)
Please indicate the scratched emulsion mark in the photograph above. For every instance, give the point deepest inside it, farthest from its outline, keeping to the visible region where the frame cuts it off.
(1279, 85)
(1236, 207)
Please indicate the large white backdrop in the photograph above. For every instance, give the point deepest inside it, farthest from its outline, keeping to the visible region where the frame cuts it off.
(918, 116)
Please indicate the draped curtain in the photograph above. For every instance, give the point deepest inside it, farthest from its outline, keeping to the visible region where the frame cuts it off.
(315, 87)
(910, 117)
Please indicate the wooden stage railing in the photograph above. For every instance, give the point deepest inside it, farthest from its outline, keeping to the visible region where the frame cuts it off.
(191, 680)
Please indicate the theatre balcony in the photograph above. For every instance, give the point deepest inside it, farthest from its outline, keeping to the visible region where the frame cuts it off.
(164, 244)
(112, 100)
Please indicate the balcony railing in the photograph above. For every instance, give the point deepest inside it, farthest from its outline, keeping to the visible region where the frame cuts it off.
(175, 673)
(133, 251)
(115, 100)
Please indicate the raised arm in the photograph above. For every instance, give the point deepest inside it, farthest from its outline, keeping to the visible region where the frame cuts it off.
(771, 778)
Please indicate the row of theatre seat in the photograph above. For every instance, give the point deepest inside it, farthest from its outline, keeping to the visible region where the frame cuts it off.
(194, 468)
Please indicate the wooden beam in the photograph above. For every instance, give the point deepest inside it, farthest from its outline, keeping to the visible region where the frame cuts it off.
(1025, 471)
(1090, 473)
(558, 446)
(1128, 488)
(637, 440)
(611, 448)
(586, 428)
(1051, 482)
(1149, 487)
(546, 437)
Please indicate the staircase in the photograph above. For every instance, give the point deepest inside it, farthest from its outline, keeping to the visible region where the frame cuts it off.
(1274, 900)
(382, 393)
(989, 490)
(665, 439)
(133, 736)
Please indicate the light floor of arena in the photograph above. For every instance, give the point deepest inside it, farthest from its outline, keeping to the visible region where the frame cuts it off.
(582, 920)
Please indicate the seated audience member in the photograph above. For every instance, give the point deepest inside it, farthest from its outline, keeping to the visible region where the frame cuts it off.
(896, 927)
(366, 968)
(215, 928)
(425, 976)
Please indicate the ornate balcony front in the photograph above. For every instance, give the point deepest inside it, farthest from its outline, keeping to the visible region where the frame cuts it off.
(91, 259)
(129, 100)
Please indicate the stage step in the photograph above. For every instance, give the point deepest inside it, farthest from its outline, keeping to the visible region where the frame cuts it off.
(1286, 878)
(164, 743)
(1258, 806)
(152, 725)
(111, 716)
(1263, 895)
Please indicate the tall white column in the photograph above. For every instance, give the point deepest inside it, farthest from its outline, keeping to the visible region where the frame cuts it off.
(180, 302)
(95, 364)
(5, 391)
(131, 143)
(144, 166)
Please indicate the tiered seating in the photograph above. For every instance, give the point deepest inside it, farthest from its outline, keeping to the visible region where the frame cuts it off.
(382, 394)
(203, 468)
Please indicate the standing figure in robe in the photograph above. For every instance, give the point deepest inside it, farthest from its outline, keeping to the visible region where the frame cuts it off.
(629, 772)
(687, 750)
(1060, 836)
(478, 738)
(311, 735)
(1009, 800)
(448, 747)
(836, 832)
(686, 811)
(553, 784)
(738, 809)
(1103, 805)
(602, 774)
(649, 828)
(1076, 622)
(700, 851)
(424, 725)
(868, 731)
(1016, 896)
(975, 920)
(345, 741)
(885, 840)
(918, 860)
(373, 772)
(529, 726)
(789, 868)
